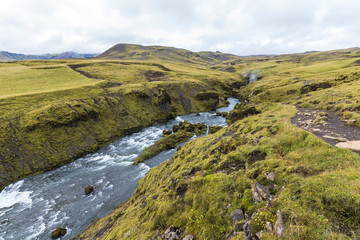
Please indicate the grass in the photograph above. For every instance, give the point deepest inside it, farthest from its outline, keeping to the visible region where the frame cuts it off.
(17, 80)
(199, 187)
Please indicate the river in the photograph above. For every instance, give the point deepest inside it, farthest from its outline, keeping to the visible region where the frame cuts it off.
(32, 208)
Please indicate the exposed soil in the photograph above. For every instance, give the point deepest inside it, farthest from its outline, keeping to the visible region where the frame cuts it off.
(333, 131)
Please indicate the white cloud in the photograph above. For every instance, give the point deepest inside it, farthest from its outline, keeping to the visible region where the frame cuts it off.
(238, 26)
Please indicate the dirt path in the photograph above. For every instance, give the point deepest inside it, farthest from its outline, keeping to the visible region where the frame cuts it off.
(333, 130)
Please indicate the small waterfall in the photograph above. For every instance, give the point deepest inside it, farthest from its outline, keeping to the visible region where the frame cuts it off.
(252, 75)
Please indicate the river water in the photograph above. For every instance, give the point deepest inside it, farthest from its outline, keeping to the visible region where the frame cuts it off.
(32, 208)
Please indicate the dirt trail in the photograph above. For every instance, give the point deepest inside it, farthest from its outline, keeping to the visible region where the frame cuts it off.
(333, 131)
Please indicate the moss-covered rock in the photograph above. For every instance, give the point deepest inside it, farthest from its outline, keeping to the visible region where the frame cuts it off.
(58, 233)
(241, 111)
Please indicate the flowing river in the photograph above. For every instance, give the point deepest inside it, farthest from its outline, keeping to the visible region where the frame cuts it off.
(32, 208)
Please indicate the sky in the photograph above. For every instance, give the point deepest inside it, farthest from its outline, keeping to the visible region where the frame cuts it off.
(242, 27)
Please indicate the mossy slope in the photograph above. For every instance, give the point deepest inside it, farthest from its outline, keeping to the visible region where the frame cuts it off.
(208, 178)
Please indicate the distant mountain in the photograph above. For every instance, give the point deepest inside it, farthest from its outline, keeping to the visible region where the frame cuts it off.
(139, 52)
(8, 56)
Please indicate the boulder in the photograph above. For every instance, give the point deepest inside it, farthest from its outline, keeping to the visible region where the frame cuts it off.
(224, 114)
(58, 233)
(237, 215)
(175, 128)
(218, 113)
(279, 225)
(88, 189)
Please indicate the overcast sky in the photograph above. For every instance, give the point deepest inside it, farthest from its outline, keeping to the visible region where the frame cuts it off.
(242, 27)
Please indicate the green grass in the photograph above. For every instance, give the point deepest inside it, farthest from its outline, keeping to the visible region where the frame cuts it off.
(17, 80)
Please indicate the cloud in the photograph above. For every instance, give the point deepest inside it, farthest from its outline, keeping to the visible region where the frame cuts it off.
(241, 27)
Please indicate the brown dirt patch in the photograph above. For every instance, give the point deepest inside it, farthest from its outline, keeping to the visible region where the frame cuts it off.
(334, 131)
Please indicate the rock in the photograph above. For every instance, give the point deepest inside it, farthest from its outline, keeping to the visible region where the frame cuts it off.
(197, 115)
(279, 225)
(167, 132)
(307, 114)
(58, 232)
(237, 215)
(352, 145)
(350, 122)
(88, 189)
(178, 148)
(260, 192)
(218, 113)
(224, 114)
(247, 231)
(270, 176)
(175, 128)
(339, 139)
(239, 226)
(188, 237)
(214, 129)
(269, 227)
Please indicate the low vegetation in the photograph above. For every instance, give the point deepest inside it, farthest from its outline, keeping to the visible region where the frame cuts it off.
(314, 185)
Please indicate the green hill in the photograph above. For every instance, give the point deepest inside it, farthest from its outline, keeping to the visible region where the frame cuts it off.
(138, 52)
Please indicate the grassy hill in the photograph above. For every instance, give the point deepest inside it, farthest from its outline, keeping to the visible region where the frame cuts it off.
(138, 52)
(315, 185)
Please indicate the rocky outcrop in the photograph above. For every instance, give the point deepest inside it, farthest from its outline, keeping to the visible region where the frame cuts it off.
(172, 233)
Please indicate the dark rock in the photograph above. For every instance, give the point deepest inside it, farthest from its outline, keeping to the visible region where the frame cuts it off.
(88, 189)
(239, 226)
(279, 225)
(175, 128)
(237, 215)
(178, 148)
(167, 132)
(214, 129)
(218, 113)
(197, 115)
(224, 114)
(58, 233)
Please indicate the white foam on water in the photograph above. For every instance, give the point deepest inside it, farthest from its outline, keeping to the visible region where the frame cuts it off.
(143, 170)
(179, 119)
(11, 195)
